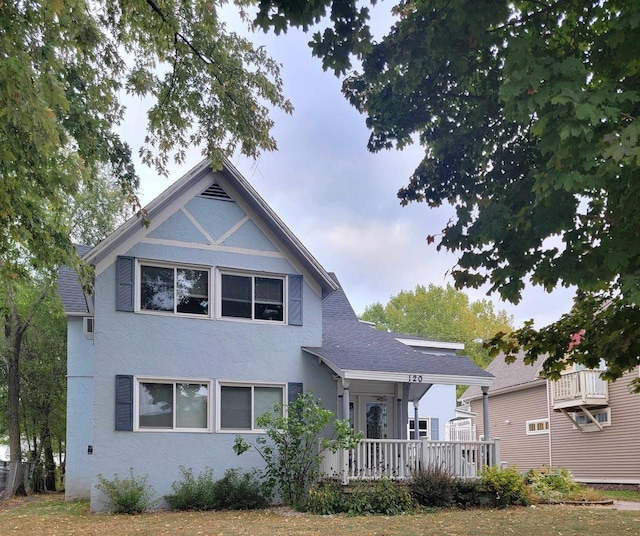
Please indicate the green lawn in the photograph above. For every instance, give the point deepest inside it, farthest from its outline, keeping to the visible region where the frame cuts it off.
(52, 516)
(622, 495)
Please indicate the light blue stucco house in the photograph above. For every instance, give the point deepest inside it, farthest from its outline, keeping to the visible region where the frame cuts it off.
(205, 318)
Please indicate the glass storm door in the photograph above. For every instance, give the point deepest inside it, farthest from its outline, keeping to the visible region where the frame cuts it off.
(376, 418)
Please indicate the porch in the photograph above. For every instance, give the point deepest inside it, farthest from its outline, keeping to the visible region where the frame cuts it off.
(397, 459)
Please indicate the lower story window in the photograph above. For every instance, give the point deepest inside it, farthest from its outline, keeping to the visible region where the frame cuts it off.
(538, 426)
(602, 417)
(241, 405)
(173, 405)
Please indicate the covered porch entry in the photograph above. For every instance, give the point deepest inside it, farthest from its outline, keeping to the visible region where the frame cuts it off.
(379, 376)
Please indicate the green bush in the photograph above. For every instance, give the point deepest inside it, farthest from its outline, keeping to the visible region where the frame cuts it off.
(234, 491)
(292, 446)
(241, 491)
(557, 484)
(384, 497)
(326, 498)
(506, 487)
(468, 493)
(131, 495)
(432, 486)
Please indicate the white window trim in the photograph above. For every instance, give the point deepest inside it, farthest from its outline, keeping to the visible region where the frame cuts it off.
(163, 264)
(232, 383)
(88, 326)
(169, 380)
(427, 430)
(535, 422)
(591, 427)
(248, 273)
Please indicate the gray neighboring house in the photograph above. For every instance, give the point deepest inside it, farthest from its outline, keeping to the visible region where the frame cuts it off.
(200, 322)
(579, 422)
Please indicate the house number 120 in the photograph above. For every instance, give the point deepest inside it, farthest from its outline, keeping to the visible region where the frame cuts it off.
(414, 378)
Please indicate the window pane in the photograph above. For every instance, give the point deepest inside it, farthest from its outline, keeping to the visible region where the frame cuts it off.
(155, 405)
(265, 398)
(235, 407)
(192, 291)
(269, 298)
(236, 296)
(191, 405)
(156, 288)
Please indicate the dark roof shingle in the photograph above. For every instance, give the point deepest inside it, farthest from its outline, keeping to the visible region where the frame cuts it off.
(71, 294)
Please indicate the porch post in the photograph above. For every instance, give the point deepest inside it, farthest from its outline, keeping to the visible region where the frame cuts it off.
(345, 398)
(485, 413)
(416, 427)
(345, 415)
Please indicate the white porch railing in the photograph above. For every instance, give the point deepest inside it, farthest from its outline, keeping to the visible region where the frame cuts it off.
(397, 459)
(582, 387)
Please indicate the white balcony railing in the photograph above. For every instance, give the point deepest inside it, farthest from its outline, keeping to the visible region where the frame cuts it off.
(582, 387)
(397, 459)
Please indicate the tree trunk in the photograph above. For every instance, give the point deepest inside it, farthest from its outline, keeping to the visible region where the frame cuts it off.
(15, 484)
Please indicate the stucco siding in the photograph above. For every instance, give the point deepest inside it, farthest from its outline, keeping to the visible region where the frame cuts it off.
(610, 455)
(183, 348)
(79, 411)
(508, 414)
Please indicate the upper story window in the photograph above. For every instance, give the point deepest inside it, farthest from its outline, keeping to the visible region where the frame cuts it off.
(254, 297)
(174, 289)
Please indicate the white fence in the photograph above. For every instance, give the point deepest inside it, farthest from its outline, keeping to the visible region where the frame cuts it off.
(397, 459)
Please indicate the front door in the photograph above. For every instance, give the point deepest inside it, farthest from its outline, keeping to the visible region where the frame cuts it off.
(376, 418)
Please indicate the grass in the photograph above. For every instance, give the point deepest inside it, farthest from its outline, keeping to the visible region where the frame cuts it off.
(52, 516)
(622, 495)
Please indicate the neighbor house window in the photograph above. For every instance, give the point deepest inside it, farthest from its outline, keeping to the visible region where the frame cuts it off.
(253, 297)
(241, 405)
(173, 404)
(174, 289)
(538, 426)
(602, 417)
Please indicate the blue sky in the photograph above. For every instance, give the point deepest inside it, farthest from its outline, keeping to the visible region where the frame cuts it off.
(338, 198)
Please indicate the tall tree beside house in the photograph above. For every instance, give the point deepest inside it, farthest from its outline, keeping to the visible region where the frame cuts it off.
(33, 347)
(529, 114)
(442, 313)
(63, 69)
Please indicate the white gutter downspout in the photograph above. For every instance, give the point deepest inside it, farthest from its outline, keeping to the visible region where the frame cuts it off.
(549, 417)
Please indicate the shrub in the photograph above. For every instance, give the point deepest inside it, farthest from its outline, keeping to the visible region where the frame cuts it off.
(556, 484)
(326, 498)
(131, 495)
(468, 493)
(506, 487)
(241, 491)
(289, 447)
(383, 497)
(432, 486)
(192, 493)
(234, 491)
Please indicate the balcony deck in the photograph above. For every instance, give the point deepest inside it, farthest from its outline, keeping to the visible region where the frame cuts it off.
(581, 388)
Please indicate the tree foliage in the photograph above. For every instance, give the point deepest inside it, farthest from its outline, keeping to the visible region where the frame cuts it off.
(443, 314)
(529, 114)
(63, 69)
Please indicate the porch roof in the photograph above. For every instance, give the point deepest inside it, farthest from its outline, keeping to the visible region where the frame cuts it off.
(355, 350)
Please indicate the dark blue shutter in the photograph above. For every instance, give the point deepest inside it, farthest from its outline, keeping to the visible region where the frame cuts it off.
(295, 300)
(294, 391)
(125, 283)
(435, 429)
(124, 402)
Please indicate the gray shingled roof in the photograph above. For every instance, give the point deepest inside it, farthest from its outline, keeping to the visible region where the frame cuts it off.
(348, 344)
(71, 294)
(508, 376)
